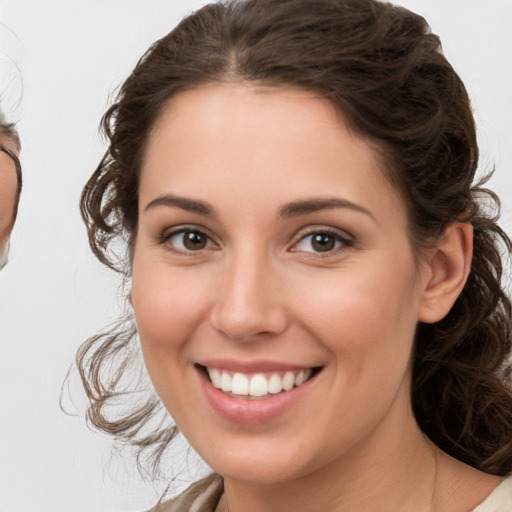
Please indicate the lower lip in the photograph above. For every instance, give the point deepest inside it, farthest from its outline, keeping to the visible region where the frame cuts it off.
(240, 410)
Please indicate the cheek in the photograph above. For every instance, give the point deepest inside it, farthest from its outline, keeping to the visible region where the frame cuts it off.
(169, 307)
(364, 313)
(168, 312)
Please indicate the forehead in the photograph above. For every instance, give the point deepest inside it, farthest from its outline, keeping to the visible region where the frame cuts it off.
(252, 141)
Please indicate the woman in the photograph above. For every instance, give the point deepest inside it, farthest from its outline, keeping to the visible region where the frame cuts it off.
(315, 279)
(10, 183)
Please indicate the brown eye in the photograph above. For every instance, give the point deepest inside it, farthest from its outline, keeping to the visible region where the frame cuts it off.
(194, 240)
(322, 242)
(189, 240)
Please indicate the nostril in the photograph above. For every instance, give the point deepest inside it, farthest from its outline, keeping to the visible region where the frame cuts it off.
(250, 324)
(248, 304)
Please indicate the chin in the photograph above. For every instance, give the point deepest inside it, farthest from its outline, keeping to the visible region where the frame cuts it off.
(259, 465)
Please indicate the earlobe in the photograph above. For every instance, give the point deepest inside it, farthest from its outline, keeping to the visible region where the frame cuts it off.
(449, 266)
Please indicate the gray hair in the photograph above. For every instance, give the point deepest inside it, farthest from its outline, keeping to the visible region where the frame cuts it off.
(8, 131)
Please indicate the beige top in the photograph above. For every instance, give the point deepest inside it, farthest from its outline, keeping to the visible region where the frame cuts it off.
(500, 500)
(204, 495)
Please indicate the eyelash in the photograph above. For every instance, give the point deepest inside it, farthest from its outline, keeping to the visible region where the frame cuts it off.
(341, 242)
(166, 237)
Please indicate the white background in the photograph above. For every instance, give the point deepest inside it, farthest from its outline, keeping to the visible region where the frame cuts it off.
(68, 56)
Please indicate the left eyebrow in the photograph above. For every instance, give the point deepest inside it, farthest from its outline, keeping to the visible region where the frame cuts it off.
(305, 206)
(189, 205)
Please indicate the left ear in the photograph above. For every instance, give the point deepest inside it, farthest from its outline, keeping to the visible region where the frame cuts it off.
(448, 265)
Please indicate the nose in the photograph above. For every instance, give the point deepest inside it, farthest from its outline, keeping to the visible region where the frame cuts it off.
(249, 303)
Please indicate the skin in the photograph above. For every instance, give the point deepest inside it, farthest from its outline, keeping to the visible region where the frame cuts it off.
(259, 290)
(8, 185)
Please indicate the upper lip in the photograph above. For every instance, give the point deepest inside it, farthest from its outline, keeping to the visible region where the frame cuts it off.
(253, 366)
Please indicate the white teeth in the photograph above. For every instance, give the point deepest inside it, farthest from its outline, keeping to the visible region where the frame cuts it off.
(302, 377)
(215, 377)
(257, 385)
(240, 384)
(275, 384)
(288, 381)
(225, 382)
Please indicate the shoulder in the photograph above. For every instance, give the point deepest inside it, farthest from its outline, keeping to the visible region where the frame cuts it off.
(500, 500)
(202, 496)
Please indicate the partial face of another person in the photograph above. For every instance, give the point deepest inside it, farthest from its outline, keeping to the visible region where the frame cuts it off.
(8, 196)
(275, 288)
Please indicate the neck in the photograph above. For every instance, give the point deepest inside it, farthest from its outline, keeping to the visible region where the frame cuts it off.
(395, 468)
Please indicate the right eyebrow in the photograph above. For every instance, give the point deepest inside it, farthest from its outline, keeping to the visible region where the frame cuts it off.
(189, 205)
(302, 207)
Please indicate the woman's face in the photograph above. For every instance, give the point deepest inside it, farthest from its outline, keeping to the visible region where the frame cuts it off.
(272, 250)
(8, 195)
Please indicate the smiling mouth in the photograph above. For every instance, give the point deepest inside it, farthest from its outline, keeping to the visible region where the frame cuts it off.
(258, 385)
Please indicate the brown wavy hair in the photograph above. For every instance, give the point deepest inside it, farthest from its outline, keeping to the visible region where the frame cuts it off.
(384, 70)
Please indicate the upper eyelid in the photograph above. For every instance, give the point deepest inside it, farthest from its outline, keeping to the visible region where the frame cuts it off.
(343, 234)
(180, 228)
